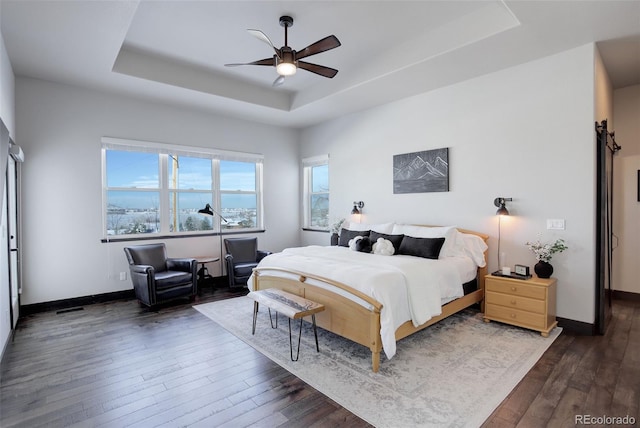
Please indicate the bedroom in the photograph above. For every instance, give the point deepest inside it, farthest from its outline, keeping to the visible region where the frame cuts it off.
(524, 132)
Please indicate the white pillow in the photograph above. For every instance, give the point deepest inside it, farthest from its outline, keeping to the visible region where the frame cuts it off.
(451, 247)
(376, 227)
(474, 247)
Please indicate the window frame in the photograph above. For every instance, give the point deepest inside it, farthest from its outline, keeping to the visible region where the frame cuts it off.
(307, 165)
(165, 153)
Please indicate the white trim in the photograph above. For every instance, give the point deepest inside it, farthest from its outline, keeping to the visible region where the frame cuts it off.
(154, 147)
(307, 167)
(16, 152)
(315, 160)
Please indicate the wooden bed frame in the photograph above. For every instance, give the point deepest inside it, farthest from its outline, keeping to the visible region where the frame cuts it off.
(349, 319)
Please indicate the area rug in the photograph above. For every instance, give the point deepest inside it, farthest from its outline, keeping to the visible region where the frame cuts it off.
(452, 374)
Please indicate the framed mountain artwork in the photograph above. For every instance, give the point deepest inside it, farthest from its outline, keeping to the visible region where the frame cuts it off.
(420, 172)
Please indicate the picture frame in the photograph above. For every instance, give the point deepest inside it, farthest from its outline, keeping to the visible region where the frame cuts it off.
(421, 172)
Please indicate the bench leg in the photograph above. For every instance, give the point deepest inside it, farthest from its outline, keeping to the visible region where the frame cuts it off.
(291, 341)
(255, 316)
(271, 320)
(315, 331)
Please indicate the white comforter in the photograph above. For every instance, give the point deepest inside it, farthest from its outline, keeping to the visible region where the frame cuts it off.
(409, 288)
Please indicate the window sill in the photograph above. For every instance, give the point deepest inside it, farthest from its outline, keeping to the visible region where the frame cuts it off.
(144, 237)
(307, 229)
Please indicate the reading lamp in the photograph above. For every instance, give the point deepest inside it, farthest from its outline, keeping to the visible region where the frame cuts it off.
(208, 210)
(357, 206)
(500, 203)
(502, 210)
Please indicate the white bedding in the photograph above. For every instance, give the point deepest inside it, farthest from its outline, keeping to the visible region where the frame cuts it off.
(409, 288)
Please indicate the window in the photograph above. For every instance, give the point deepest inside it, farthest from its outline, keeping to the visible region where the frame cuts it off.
(152, 188)
(133, 192)
(190, 183)
(238, 194)
(316, 189)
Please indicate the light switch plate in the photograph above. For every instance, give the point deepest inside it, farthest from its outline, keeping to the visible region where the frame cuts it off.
(555, 224)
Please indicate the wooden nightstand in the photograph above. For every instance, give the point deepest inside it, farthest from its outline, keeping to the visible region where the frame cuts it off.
(527, 303)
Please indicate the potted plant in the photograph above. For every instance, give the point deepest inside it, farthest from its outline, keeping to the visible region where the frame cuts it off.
(335, 231)
(544, 252)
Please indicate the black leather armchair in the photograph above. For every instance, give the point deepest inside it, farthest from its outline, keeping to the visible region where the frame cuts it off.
(157, 278)
(242, 256)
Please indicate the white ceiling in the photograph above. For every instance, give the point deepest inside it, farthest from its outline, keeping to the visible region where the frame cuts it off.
(175, 51)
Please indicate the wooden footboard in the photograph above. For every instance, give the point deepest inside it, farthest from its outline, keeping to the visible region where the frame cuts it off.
(341, 316)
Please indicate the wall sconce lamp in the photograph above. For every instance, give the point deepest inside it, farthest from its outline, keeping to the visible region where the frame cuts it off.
(502, 211)
(500, 203)
(357, 206)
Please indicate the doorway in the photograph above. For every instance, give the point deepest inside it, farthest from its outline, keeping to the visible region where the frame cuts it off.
(11, 194)
(606, 149)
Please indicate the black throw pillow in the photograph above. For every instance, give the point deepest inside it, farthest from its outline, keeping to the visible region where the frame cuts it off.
(395, 240)
(347, 235)
(429, 248)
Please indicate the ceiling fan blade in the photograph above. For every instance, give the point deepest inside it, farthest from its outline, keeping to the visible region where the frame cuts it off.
(328, 43)
(318, 69)
(267, 61)
(261, 36)
(279, 81)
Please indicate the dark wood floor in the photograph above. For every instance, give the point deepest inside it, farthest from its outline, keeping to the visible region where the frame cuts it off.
(119, 364)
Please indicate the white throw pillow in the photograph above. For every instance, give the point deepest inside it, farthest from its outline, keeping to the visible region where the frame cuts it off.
(377, 227)
(383, 247)
(474, 247)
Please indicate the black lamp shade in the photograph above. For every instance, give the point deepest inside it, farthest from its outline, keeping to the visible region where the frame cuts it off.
(357, 206)
(502, 211)
(500, 203)
(206, 210)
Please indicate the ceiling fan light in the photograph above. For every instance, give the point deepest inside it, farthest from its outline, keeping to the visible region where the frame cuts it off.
(286, 69)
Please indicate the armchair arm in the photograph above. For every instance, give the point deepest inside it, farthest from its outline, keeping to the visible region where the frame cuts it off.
(262, 255)
(230, 271)
(141, 269)
(144, 282)
(183, 265)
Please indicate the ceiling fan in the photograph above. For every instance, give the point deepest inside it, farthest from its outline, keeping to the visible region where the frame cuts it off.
(287, 60)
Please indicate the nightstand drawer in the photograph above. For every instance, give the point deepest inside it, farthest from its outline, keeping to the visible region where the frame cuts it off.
(516, 302)
(516, 289)
(515, 316)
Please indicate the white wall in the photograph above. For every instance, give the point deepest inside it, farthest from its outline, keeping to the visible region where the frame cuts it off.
(526, 132)
(603, 93)
(625, 194)
(61, 127)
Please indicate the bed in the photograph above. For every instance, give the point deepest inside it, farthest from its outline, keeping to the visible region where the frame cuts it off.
(374, 299)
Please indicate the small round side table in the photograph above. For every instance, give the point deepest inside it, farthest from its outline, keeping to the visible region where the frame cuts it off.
(203, 272)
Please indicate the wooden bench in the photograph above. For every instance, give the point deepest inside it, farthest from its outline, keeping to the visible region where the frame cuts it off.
(288, 304)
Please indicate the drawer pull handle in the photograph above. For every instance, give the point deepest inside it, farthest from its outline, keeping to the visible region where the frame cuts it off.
(513, 302)
(513, 315)
(514, 289)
